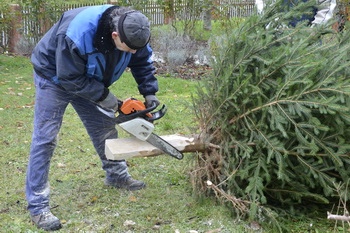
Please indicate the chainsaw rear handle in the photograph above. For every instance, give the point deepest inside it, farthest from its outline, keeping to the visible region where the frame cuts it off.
(145, 114)
(157, 115)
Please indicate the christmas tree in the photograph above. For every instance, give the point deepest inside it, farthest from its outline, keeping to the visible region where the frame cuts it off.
(276, 111)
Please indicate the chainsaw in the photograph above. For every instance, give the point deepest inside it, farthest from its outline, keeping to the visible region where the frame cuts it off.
(133, 117)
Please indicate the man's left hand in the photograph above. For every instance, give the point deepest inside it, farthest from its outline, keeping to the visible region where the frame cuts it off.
(151, 100)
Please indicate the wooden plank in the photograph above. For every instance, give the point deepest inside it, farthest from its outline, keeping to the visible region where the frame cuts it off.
(126, 148)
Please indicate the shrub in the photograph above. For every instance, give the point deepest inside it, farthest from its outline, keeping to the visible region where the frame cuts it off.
(174, 48)
(25, 46)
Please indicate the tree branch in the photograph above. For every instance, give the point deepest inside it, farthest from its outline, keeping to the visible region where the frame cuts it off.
(345, 218)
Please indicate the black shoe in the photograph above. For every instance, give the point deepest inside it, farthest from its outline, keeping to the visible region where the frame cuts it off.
(129, 184)
(46, 221)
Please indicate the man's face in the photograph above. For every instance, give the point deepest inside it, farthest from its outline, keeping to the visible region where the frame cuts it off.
(120, 45)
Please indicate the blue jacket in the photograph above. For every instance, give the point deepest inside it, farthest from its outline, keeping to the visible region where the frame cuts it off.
(66, 55)
(323, 10)
(305, 17)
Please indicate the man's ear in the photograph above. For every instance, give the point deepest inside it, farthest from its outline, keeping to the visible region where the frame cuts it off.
(115, 35)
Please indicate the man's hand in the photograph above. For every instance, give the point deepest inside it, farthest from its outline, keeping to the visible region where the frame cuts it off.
(150, 100)
(111, 102)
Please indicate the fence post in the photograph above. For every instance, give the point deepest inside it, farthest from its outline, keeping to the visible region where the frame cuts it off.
(113, 2)
(44, 22)
(169, 13)
(15, 23)
(207, 15)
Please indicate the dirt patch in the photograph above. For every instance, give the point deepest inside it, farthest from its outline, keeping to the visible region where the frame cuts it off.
(189, 71)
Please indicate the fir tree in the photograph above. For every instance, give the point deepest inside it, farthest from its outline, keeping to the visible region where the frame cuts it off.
(277, 107)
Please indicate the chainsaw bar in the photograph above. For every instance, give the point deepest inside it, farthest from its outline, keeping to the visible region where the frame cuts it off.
(164, 146)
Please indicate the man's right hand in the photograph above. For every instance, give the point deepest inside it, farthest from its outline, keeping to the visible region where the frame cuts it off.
(111, 102)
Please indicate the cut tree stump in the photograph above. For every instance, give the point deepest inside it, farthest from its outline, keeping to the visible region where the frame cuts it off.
(126, 148)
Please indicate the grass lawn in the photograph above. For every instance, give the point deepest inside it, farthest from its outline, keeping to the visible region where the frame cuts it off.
(78, 196)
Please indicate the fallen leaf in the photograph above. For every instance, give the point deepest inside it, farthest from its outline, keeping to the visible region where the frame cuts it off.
(133, 198)
(26, 106)
(4, 210)
(255, 225)
(209, 223)
(93, 199)
(31, 104)
(214, 230)
(128, 223)
(20, 124)
(61, 165)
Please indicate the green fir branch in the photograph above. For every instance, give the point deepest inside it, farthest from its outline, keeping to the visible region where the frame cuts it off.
(337, 161)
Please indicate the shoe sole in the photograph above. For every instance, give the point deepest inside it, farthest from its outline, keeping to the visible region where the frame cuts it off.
(52, 227)
(127, 188)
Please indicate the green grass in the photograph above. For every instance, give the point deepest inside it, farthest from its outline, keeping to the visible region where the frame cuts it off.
(78, 196)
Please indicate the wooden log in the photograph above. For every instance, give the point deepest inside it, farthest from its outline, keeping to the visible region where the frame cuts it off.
(344, 218)
(126, 148)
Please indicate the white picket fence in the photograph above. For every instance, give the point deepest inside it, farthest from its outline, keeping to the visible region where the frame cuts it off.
(33, 30)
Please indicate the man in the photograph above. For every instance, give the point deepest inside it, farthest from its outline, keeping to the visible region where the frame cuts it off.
(84, 53)
(323, 11)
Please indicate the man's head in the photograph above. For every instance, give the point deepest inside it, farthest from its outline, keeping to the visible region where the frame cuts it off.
(130, 28)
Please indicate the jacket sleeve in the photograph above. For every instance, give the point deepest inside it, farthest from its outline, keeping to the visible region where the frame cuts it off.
(70, 68)
(325, 10)
(142, 69)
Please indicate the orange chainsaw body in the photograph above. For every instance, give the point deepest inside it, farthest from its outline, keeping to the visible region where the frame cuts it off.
(131, 105)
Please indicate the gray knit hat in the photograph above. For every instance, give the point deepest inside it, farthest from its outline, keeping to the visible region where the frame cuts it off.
(134, 29)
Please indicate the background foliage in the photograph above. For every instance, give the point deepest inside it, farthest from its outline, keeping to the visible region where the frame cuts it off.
(277, 109)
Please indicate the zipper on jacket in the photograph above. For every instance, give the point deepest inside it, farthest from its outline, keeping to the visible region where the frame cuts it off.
(104, 78)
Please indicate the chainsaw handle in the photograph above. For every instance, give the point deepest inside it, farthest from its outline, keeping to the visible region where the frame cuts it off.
(157, 115)
(143, 114)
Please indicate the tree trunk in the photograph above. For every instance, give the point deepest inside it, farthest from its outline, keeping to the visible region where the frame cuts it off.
(126, 148)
